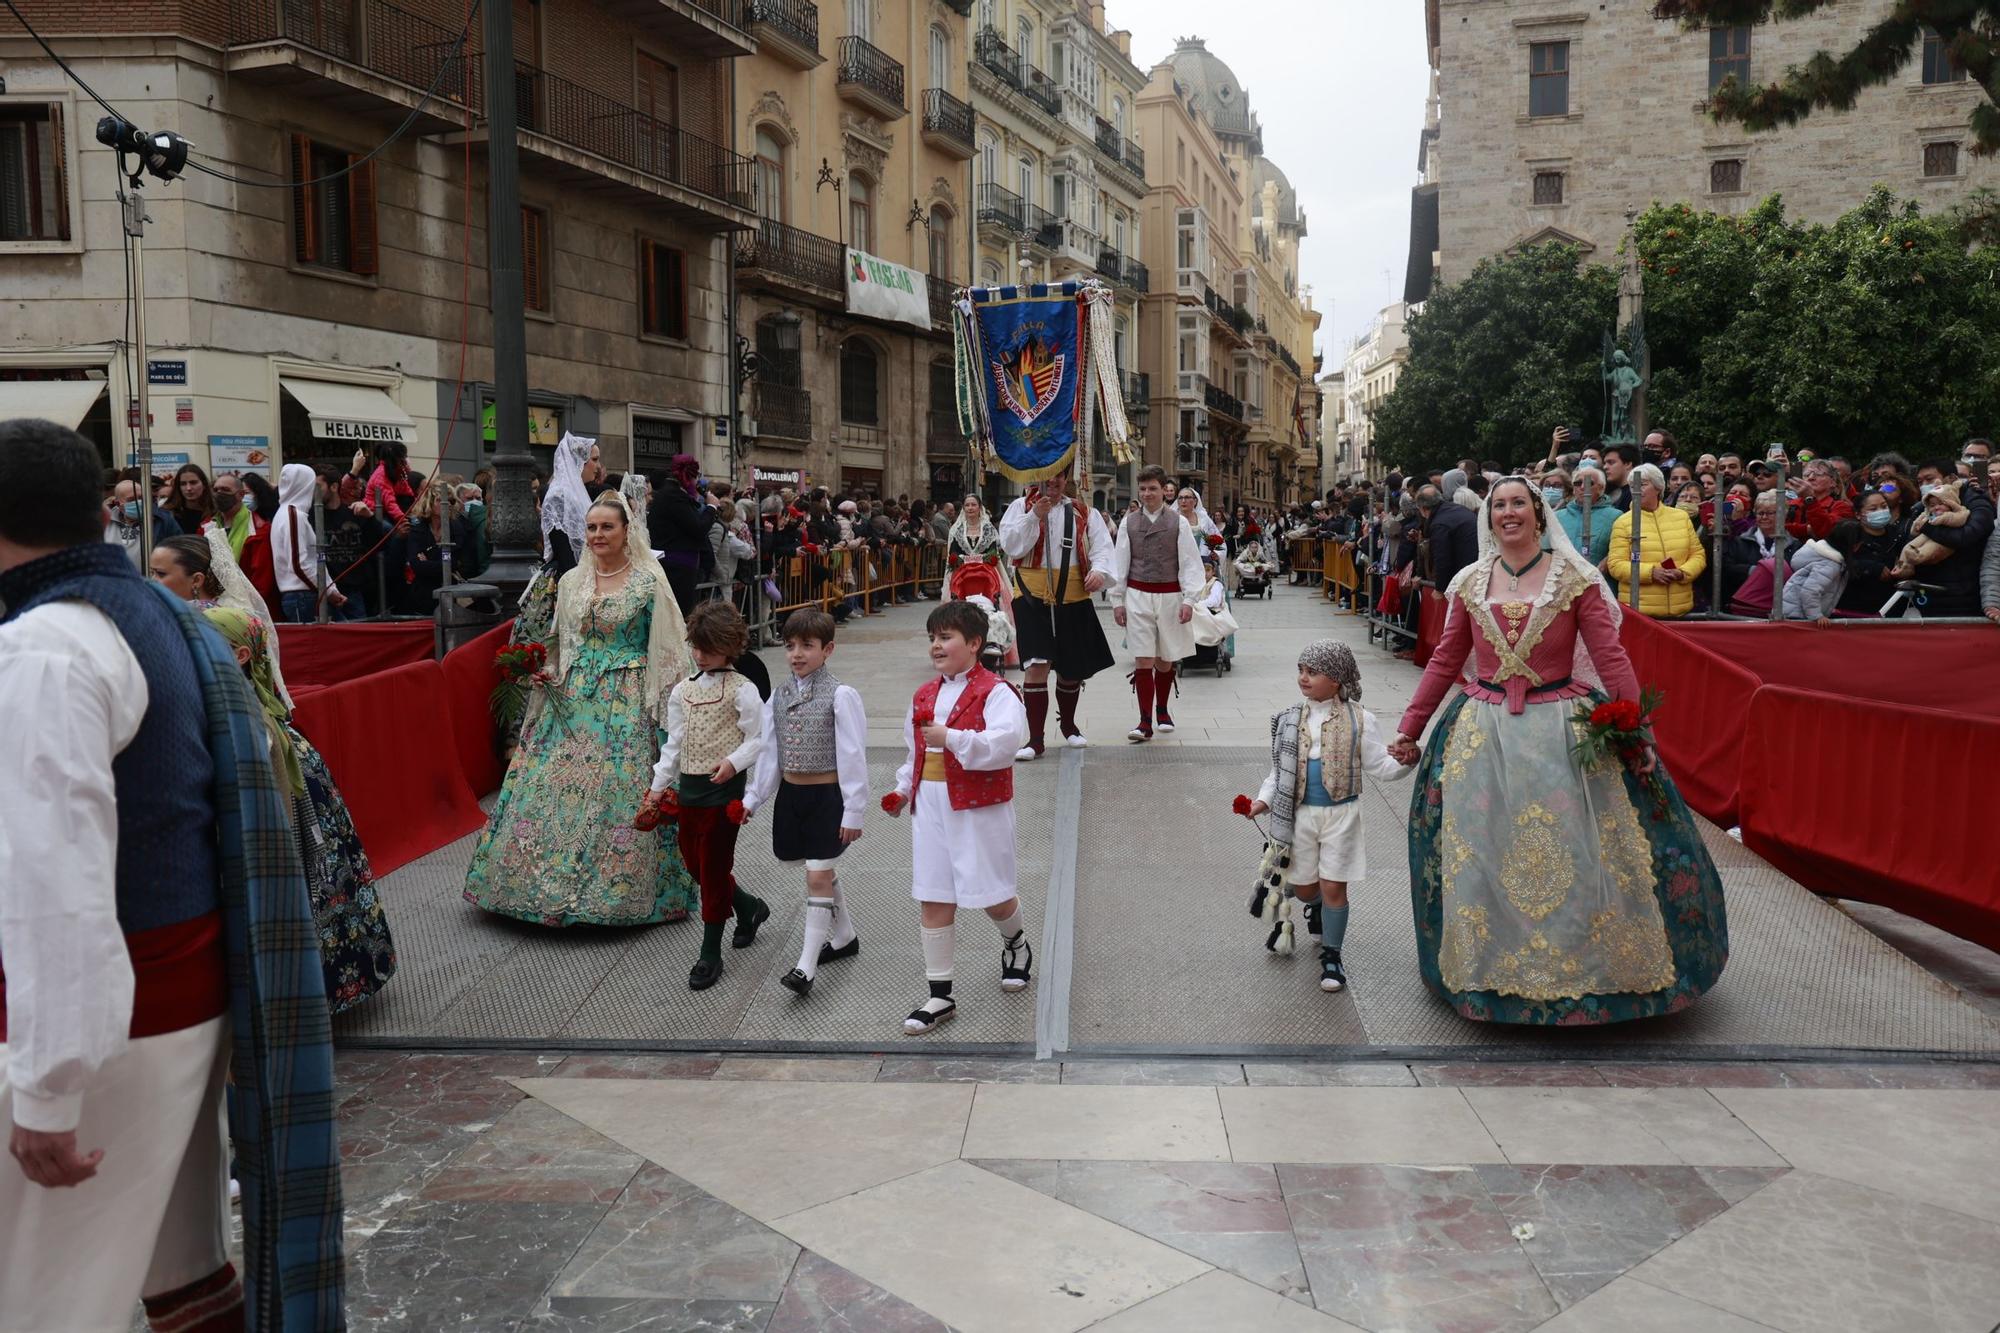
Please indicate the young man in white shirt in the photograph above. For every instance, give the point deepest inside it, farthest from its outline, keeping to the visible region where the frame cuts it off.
(1157, 579)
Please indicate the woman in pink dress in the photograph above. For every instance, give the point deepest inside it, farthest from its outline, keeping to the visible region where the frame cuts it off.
(1546, 891)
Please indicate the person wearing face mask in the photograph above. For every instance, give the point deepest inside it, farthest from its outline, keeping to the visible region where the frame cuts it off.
(1868, 564)
(1555, 494)
(249, 536)
(124, 528)
(1957, 576)
(1587, 491)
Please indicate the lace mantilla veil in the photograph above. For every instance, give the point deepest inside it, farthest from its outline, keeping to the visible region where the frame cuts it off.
(666, 649)
(1563, 557)
(239, 594)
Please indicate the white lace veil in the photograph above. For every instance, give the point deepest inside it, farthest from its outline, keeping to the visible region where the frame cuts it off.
(240, 594)
(666, 648)
(1204, 525)
(634, 488)
(962, 534)
(565, 500)
(1563, 556)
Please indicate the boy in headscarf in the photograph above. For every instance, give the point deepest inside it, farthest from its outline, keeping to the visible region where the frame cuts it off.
(1319, 750)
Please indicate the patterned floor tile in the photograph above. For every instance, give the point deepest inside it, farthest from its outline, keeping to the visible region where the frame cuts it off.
(534, 1154)
(462, 1265)
(665, 1238)
(1413, 1249)
(823, 1297)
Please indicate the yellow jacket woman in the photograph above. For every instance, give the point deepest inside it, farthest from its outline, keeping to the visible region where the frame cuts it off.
(1666, 534)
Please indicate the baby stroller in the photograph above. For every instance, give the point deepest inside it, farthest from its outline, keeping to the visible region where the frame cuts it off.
(1214, 640)
(1253, 572)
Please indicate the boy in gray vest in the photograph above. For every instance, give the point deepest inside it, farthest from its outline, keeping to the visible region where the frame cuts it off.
(1319, 750)
(1156, 580)
(815, 759)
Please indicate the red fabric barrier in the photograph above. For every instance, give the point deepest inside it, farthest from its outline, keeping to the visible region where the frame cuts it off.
(333, 654)
(1912, 831)
(388, 741)
(1938, 666)
(1703, 716)
(469, 679)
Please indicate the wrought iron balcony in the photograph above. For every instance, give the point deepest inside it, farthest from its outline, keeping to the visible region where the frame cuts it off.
(365, 57)
(794, 257)
(1134, 158)
(948, 123)
(1001, 207)
(1291, 362)
(1136, 275)
(990, 50)
(1107, 138)
(788, 29)
(590, 122)
(940, 290)
(783, 411)
(1108, 264)
(1227, 404)
(871, 77)
(1043, 229)
(1040, 89)
(1191, 457)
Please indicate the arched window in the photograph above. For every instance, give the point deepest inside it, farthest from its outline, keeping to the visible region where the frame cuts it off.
(860, 383)
(989, 158)
(1024, 179)
(860, 212)
(989, 273)
(770, 179)
(940, 242)
(1118, 114)
(989, 17)
(1024, 32)
(940, 58)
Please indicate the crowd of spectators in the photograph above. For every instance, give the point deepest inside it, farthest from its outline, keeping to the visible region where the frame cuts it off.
(1883, 538)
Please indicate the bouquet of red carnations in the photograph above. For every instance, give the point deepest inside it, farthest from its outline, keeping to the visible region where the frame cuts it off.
(523, 668)
(1214, 539)
(1615, 731)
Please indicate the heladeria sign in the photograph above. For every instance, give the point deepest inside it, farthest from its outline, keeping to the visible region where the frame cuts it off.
(882, 290)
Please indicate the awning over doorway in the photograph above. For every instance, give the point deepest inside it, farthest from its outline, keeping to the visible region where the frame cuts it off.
(352, 413)
(65, 402)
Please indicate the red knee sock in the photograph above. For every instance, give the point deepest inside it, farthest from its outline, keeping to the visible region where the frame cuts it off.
(213, 1304)
(1066, 696)
(1163, 686)
(1037, 699)
(1142, 680)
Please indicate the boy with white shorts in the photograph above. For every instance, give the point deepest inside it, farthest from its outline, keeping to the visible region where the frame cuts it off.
(1319, 750)
(1156, 581)
(963, 729)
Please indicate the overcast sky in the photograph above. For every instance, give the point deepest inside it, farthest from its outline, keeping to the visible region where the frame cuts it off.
(1339, 86)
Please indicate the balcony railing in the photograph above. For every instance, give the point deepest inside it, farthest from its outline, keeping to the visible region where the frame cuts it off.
(371, 35)
(1107, 138)
(1291, 362)
(1134, 158)
(1138, 387)
(1136, 275)
(1226, 403)
(942, 435)
(782, 410)
(1191, 457)
(797, 20)
(948, 117)
(872, 70)
(1042, 228)
(990, 49)
(788, 252)
(571, 114)
(940, 297)
(1122, 269)
(1108, 263)
(1001, 207)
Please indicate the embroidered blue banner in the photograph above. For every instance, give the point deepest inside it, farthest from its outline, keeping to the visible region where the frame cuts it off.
(1029, 363)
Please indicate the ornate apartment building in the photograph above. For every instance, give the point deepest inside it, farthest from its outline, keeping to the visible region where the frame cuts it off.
(1550, 119)
(1061, 178)
(1368, 376)
(314, 300)
(1275, 376)
(858, 115)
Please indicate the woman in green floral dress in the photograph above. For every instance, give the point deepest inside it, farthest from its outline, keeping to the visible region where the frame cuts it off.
(560, 849)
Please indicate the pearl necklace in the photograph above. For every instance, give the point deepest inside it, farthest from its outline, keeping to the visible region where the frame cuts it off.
(614, 573)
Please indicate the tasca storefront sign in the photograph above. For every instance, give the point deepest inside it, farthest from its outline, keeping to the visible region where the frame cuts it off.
(882, 290)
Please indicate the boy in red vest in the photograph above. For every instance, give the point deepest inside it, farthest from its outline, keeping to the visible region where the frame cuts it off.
(962, 730)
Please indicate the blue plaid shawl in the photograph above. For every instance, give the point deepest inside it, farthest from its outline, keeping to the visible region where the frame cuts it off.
(281, 1120)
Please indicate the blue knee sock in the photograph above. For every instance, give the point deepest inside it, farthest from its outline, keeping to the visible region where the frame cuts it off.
(1333, 926)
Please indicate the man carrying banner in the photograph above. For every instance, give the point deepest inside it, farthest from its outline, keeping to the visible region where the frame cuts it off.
(1061, 551)
(1156, 581)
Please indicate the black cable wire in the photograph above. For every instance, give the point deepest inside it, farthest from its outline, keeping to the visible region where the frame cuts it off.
(430, 93)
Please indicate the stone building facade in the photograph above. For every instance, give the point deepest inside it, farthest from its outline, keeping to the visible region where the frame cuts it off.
(1368, 376)
(858, 117)
(317, 303)
(1551, 119)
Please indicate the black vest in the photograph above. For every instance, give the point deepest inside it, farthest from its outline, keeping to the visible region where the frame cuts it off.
(165, 777)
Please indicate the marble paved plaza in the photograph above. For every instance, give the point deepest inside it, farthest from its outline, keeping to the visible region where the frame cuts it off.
(1173, 1131)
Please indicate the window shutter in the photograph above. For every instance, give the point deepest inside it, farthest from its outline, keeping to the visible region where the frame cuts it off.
(531, 259)
(676, 294)
(305, 199)
(365, 248)
(57, 132)
(649, 288)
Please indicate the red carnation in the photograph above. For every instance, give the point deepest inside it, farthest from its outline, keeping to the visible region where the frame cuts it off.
(1241, 805)
(734, 812)
(1214, 540)
(1627, 715)
(1601, 715)
(892, 802)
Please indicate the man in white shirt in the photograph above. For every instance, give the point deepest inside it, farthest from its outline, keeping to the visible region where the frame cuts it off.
(1061, 551)
(1156, 580)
